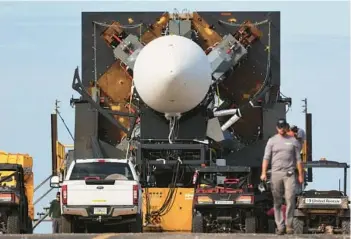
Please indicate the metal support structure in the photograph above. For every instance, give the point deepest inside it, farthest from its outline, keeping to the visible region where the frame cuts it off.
(41, 219)
(96, 148)
(78, 86)
(53, 142)
(345, 181)
(165, 147)
(308, 127)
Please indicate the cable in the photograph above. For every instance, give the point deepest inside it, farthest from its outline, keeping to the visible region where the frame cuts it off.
(64, 123)
(172, 122)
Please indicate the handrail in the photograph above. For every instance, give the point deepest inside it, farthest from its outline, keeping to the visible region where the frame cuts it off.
(40, 198)
(42, 183)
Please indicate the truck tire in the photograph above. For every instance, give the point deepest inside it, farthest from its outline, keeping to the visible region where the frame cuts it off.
(250, 225)
(198, 224)
(137, 226)
(345, 226)
(66, 225)
(298, 225)
(13, 223)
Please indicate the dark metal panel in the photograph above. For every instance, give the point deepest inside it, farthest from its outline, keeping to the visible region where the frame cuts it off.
(270, 118)
(110, 151)
(53, 143)
(155, 126)
(104, 54)
(85, 128)
(251, 73)
(250, 156)
(309, 144)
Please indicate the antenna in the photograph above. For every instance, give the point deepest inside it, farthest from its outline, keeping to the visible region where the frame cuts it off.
(304, 106)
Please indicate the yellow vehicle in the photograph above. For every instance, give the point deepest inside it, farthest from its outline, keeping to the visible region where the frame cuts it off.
(16, 193)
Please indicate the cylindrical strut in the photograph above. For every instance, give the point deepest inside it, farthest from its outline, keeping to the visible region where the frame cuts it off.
(53, 143)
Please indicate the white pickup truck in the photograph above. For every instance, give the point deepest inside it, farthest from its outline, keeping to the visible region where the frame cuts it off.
(100, 193)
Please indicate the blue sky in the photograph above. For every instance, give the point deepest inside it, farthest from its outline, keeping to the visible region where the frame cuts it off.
(40, 46)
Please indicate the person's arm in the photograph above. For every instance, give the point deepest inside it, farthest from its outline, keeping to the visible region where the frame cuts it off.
(267, 156)
(298, 158)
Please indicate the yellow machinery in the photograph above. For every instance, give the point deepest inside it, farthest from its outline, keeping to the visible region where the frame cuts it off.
(177, 216)
(16, 192)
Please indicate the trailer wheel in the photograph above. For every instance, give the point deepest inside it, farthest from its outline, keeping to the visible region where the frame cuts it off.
(13, 223)
(66, 225)
(198, 224)
(298, 225)
(137, 226)
(345, 226)
(250, 225)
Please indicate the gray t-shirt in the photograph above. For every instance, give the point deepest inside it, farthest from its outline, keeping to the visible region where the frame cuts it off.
(301, 134)
(283, 152)
(301, 137)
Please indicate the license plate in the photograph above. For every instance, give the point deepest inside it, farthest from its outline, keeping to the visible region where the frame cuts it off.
(328, 201)
(224, 202)
(100, 210)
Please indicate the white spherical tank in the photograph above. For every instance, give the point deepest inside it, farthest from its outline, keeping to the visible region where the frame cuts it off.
(172, 74)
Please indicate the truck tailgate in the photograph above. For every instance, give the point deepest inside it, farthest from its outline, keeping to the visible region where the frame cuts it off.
(121, 193)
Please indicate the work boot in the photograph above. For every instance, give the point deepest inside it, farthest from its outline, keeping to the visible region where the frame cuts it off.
(279, 232)
(289, 231)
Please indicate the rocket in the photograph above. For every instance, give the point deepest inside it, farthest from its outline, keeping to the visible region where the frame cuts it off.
(172, 75)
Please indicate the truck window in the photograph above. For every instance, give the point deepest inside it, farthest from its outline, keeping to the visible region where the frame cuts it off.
(5, 175)
(101, 170)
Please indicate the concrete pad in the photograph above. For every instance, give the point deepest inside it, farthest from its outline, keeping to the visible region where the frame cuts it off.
(166, 236)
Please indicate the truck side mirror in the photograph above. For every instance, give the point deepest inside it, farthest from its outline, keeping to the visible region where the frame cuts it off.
(55, 182)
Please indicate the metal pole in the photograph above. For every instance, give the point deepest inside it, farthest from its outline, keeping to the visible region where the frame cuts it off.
(42, 183)
(40, 220)
(40, 198)
(345, 180)
(53, 142)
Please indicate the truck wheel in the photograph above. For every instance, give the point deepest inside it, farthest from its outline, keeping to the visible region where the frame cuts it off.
(298, 225)
(66, 225)
(345, 226)
(137, 226)
(198, 224)
(13, 223)
(250, 225)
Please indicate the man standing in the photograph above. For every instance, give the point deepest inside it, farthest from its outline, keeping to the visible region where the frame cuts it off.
(300, 134)
(283, 152)
(55, 214)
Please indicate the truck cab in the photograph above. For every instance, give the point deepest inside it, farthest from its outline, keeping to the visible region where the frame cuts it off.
(100, 192)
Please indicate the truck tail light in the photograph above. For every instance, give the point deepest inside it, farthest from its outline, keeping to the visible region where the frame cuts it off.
(135, 194)
(64, 194)
(7, 197)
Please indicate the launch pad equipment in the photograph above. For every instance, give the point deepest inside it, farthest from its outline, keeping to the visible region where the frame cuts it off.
(172, 101)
